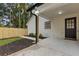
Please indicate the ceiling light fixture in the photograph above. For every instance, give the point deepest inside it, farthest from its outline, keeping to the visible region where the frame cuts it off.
(60, 12)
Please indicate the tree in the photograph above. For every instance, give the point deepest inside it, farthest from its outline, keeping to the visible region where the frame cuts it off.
(17, 13)
(22, 7)
(24, 13)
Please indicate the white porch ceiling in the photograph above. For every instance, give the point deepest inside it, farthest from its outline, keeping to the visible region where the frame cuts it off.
(51, 10)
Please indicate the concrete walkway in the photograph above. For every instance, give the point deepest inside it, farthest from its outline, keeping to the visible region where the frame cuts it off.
(51, 47)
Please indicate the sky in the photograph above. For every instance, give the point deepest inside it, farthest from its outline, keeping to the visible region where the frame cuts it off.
(39, 1)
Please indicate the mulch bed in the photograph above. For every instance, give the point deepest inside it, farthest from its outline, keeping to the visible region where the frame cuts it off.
(15, 46)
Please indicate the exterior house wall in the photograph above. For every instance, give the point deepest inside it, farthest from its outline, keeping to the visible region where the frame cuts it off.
(58, 25)
(31, 26)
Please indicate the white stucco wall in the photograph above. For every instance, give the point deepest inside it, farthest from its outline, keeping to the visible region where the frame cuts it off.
(58, 25)
(31, 26)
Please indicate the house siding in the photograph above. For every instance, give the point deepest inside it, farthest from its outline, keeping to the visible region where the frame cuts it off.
(42, 30)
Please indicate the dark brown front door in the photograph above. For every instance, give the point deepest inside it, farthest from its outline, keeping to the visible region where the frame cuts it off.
(70, 28)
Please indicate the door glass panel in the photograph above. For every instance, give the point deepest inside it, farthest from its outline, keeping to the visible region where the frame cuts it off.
(70, 24)
(72, 21)
(67, 26)
(72, 27)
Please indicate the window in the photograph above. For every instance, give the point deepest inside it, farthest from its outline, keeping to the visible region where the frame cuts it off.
(48, 25)
(70, 24)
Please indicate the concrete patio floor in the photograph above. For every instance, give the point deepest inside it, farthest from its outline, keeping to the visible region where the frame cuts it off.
(51, 47)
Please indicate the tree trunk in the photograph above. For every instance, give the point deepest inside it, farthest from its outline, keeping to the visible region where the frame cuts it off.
(19, 19)
(23, 21)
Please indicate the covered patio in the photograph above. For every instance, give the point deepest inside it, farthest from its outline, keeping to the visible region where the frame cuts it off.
(51, 47)
(55, 45)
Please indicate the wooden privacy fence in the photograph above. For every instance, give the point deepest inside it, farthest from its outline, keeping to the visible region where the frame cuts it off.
(12, 32)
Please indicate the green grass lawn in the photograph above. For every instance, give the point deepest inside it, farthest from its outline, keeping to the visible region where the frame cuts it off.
(9, 40)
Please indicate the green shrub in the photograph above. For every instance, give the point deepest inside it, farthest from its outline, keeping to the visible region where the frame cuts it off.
(34, 35)
(41, 35)
(31, 34)
(1, 25)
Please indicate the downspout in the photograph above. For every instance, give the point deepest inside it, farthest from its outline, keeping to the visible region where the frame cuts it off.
(36, 19)
(37, 27)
